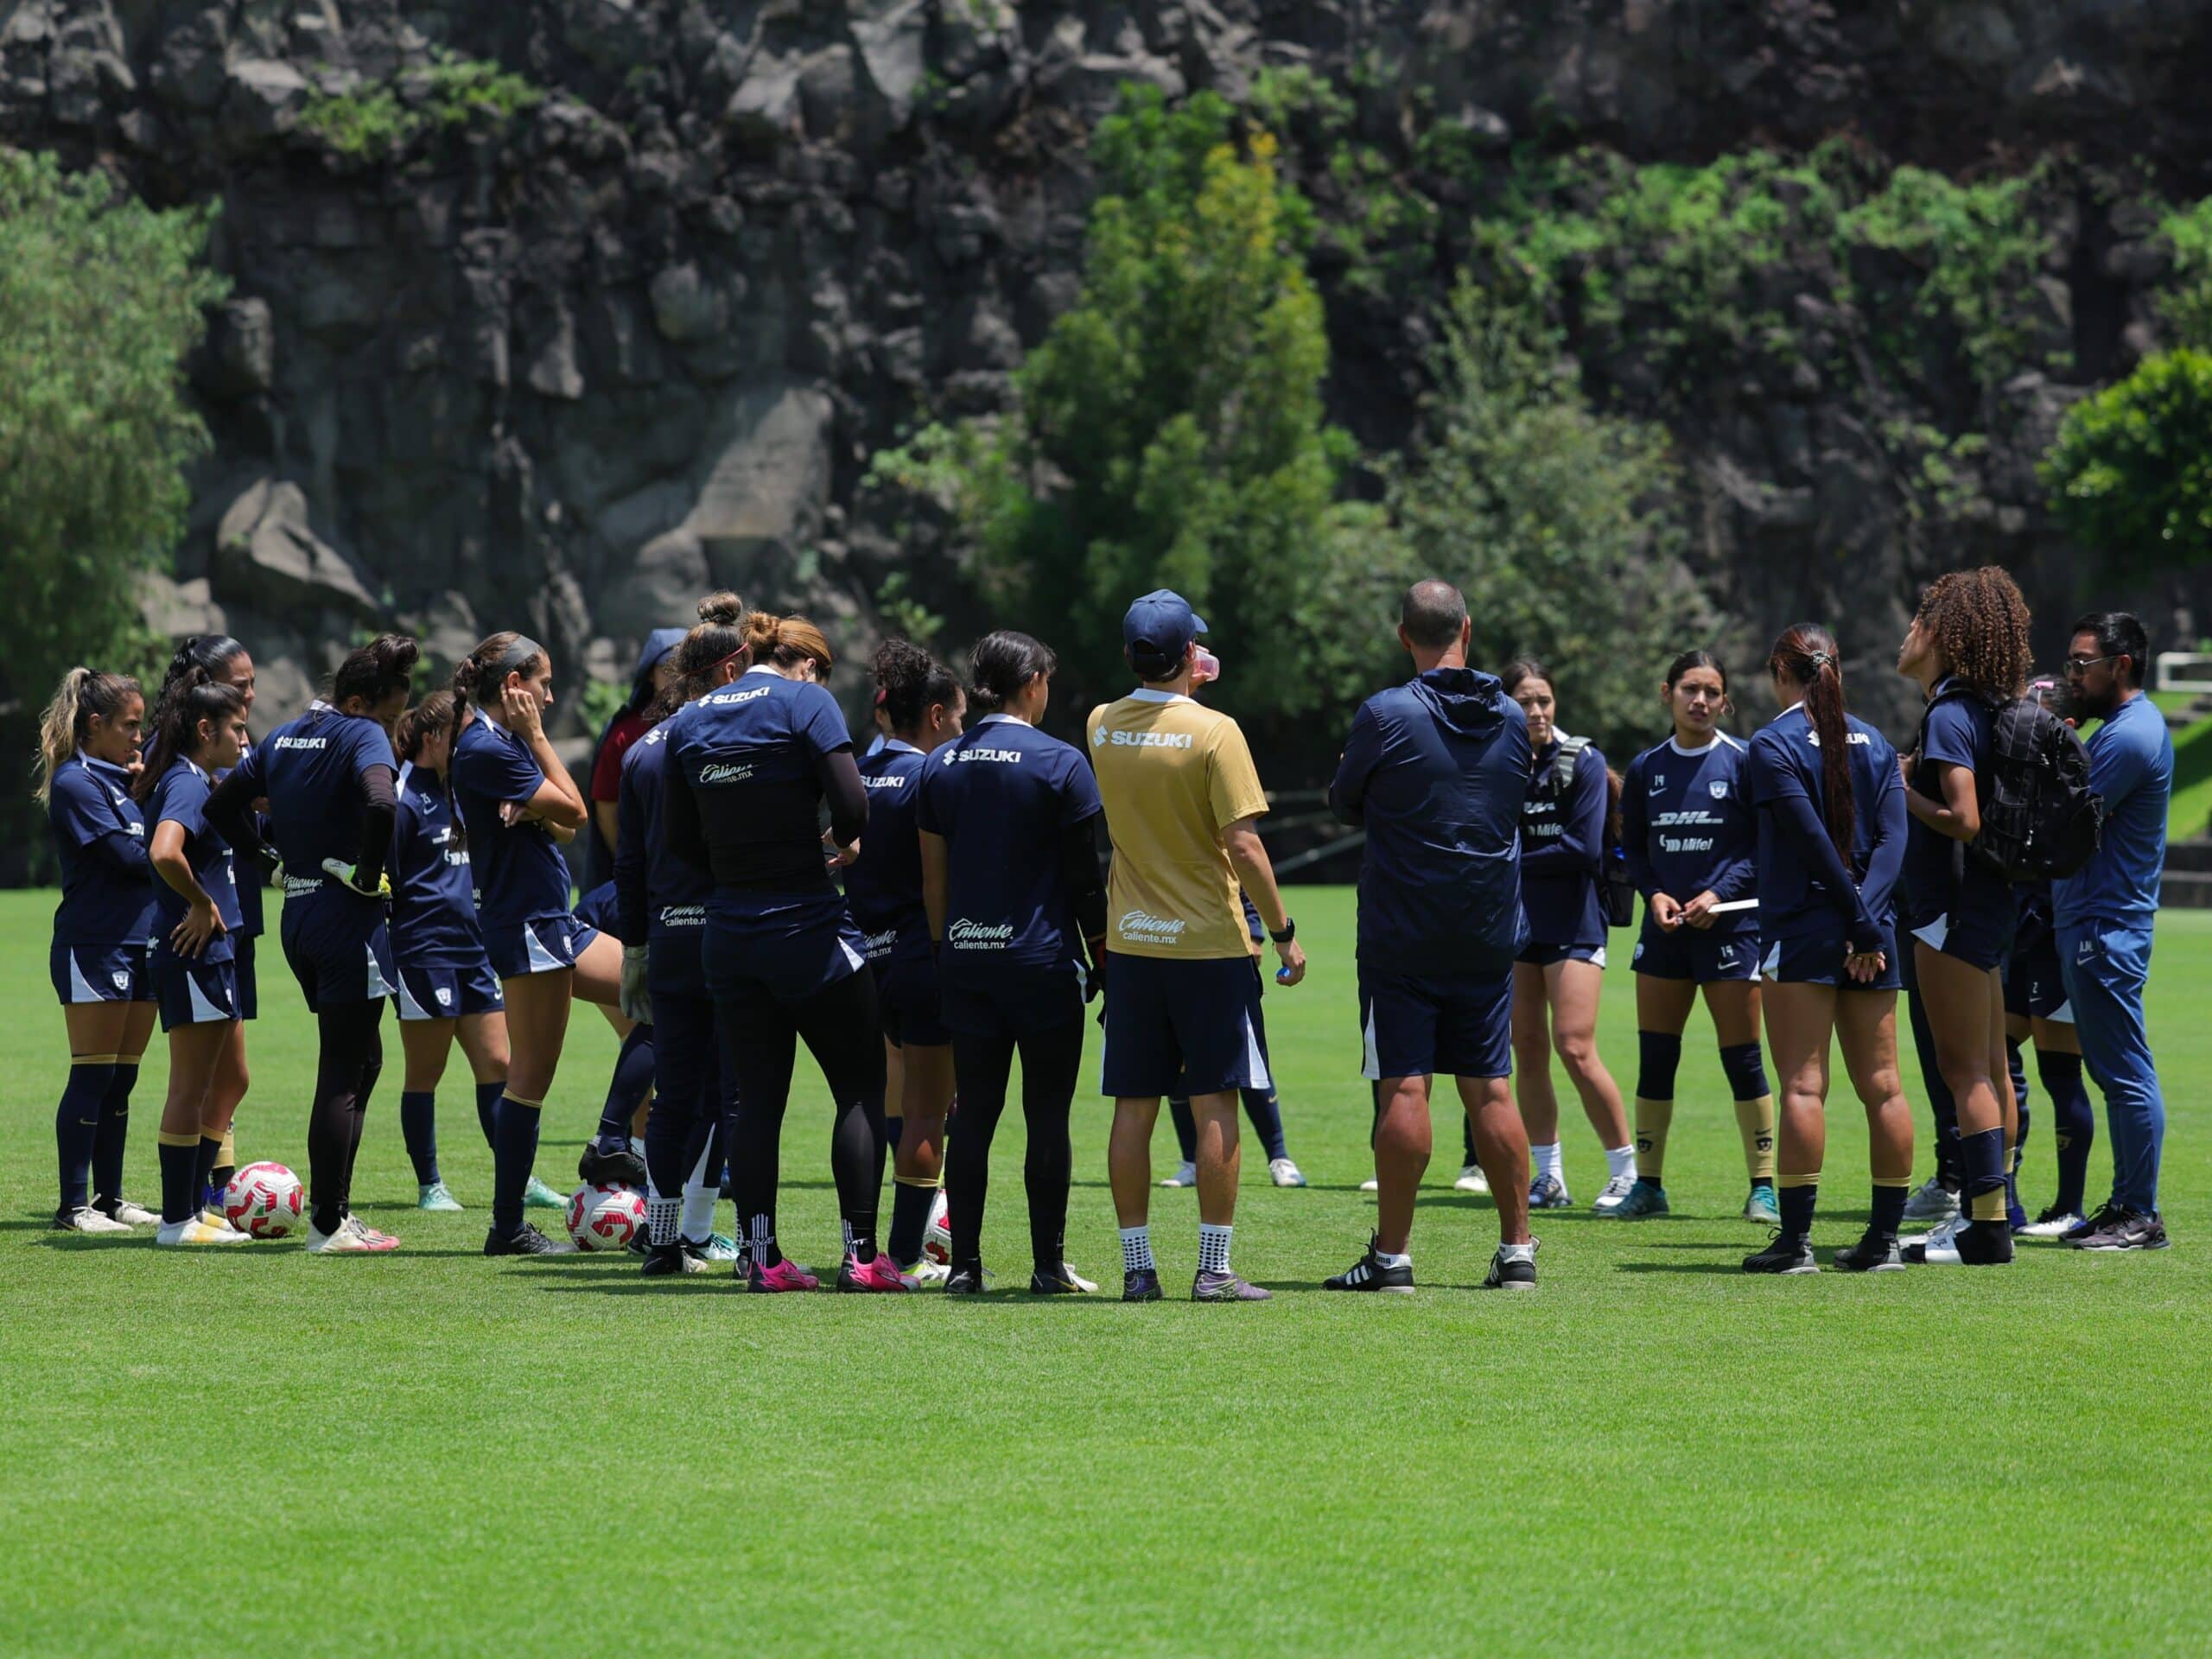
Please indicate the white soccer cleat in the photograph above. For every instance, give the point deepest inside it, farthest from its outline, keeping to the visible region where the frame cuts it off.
(86, 1219)
(1283, 1173)
(1939, 1246)
(1085, 1286)
(1370, 1184)
(2052, 1223)
(1186, 1174)
(1616, 1193)
(349, 1238)
(1931, 1201)
(937, 1236)
(1471, 1180)
(926, 1273)
(135, 1215)
(196, 1232)
(213, 1218)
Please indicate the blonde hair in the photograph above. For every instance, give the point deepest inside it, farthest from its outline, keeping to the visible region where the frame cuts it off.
(787, 641)
(83, 693)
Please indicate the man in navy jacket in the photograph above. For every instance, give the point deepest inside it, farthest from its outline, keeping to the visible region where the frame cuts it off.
(1434, 771)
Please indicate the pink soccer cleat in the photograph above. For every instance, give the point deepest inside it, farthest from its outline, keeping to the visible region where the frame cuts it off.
(785, 1275)
(879, 1276)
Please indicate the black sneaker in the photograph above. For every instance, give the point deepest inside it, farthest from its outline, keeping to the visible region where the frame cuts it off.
(1515, 1271)
(528, 1241)
(1140, 1284)
(1873, 1253)
(965, 1282)
(1784, 1255)
(619, 1168)
(1057, 1283)
(2125, 1230)
(663, 1261)
(1368, 1274)
(1983, 1243)
(2105, 1214)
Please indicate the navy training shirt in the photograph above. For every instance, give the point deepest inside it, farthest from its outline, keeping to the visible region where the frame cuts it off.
(884, 888)
(2131, 765)
(655, 891)
(1940, 879)
(520, 874)
(1003, 797)
(433, 887)
(1437, 773)
(99, 836)
(750, 753)
(1562, 841)
(310, 769)
(1687, 827)
(181, 796)
(1785, 760)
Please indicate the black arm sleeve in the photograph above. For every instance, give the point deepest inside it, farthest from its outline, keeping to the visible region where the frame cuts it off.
(230, 811)
(846, 796)
(687, 831)
(1079, 871)
(380, 807)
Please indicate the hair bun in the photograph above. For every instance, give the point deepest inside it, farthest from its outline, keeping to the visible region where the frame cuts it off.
(723, 609)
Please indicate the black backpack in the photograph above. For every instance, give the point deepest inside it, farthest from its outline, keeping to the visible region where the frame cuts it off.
(1616, 889)
(2040, 820)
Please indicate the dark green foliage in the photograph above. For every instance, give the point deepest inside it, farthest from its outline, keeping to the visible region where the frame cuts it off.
(380, 118)
(2131, 473)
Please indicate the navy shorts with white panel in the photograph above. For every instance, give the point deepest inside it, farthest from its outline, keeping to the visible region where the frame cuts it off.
(106, 914)
(1687, 827)
(522, 882)
(201, 989)
(444, 972)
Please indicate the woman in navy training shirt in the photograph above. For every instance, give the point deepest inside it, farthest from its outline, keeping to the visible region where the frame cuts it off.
(1691, 841)
(1967, 649)
(1009, 820)
(923, 707)
(197, 731)
(661, 905)
(88, 759)
(1561, 972)
(327, 777)
(755, 761)
(1832, 830)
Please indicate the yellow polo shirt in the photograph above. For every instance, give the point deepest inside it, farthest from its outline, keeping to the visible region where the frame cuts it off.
(1172, 775)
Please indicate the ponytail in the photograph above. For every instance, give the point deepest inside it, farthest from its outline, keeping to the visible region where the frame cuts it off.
(1805, 656)
(374, 673)
(787, 641)
(178, 728)
(439, 712)
(1001, 664)
(478, 676)
(908, 680)
(83, 693)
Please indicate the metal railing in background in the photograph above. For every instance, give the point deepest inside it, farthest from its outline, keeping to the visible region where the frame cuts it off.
(2173, 671)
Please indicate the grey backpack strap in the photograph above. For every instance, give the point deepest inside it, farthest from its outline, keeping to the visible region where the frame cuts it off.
(1567, 755)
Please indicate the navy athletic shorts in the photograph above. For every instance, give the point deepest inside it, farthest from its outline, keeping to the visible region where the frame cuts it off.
(448, 991)
(193, 993)
(543, 946)
(1817, 957)
(1008, 1001)
(907, 996)
(1699, 956)
(1178, 1025)
(101, 973)
(1420, 1025)
(1543, 956)
(1981, 938)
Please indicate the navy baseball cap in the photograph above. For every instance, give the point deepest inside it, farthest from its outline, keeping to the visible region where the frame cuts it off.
(1160, 627)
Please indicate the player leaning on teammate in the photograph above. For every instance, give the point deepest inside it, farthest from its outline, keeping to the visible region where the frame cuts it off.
(327, 778)
(1831, 841)
(88, 763)
(1691, 839)
(1008, 820)
(1182, 800)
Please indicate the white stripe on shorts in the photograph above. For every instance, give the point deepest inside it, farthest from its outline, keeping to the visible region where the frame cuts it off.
(542, 961)
(1255, 1062)
(80, 988)
(203, 1011)
(1371, 1067)
(377, 984)
(1934, 933)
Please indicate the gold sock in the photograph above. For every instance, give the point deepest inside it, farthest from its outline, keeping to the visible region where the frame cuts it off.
(177, 1137)
(1755, 1123)
(1986, 1207)
(227, 1155)
(1653, 1119)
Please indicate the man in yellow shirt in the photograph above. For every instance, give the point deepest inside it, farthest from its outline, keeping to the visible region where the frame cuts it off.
(1182, 800)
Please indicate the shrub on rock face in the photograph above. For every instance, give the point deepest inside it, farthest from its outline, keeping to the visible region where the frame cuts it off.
(2131, 473)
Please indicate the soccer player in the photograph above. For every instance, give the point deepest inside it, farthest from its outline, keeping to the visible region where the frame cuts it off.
(519, 804)
(923, 706)
(88, 761)
(1967, 649)
(1181, 800)
(1436, 772)
(661, 901)
(753, 765)
(1691, 838)
(1561, 972)
(197, 731)
(1832, 832)
(328, 778)
(649, 682)
(1008, 822)
(2105, 912)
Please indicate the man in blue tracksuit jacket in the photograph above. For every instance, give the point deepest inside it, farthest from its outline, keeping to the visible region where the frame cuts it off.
(1435, 772)
(2104, 913)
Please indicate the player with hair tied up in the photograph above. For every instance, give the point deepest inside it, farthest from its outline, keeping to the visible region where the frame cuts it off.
(1691, 839)
(922, 706)
(1831, 840)
(661, 899)
(1967, 650)
(327, 777)
(754, 762)
(88, 763)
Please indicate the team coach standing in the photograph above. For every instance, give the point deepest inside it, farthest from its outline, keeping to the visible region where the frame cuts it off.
(2105, 912)
(1435, 772)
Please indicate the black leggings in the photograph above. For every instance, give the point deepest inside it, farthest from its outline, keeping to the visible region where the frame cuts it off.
(760, 1037)
(351, 1057)
(1050, 1060)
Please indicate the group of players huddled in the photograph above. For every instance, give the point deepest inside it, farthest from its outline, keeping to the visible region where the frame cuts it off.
(981, 882)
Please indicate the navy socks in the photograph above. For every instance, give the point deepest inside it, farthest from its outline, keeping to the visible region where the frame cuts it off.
(418, 1126)
(627, 1089)
(76, 1128)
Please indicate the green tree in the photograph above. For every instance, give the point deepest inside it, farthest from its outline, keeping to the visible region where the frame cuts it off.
(1169, 429)
(101, 298)
(2131, 472)
(1553, 519)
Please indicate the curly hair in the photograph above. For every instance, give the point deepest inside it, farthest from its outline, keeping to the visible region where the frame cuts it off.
(1979, 624)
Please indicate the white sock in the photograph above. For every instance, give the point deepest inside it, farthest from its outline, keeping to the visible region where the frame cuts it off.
(1136, 1251)
(1621, 1160)
(661, 1213)
(1548, 1163)
(1517, 1252)
(698, 1223)
(638, 1144)
(1214, 1247)
(1390, 1260)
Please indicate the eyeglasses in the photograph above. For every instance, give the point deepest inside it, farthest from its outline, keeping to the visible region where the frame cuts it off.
(2083, 664)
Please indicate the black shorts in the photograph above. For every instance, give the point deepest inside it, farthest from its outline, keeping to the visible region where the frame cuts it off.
(2033, 987)
(1420, 1025)
(1008, 1001)
(1817, 957)
(907, 999)
(1181, 1026)
(1699, 955)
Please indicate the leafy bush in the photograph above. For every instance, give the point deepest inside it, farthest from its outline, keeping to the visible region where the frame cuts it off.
(381, 118)
(2131, 472)
(2186, 307)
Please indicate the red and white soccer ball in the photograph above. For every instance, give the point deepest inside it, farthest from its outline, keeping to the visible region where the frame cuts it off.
(606, 1217)
(264, 1199)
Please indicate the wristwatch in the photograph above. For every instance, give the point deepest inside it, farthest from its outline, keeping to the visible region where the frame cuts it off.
(1290, 929)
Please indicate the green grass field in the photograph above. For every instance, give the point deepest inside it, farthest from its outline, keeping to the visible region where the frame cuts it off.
(435, 1454)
